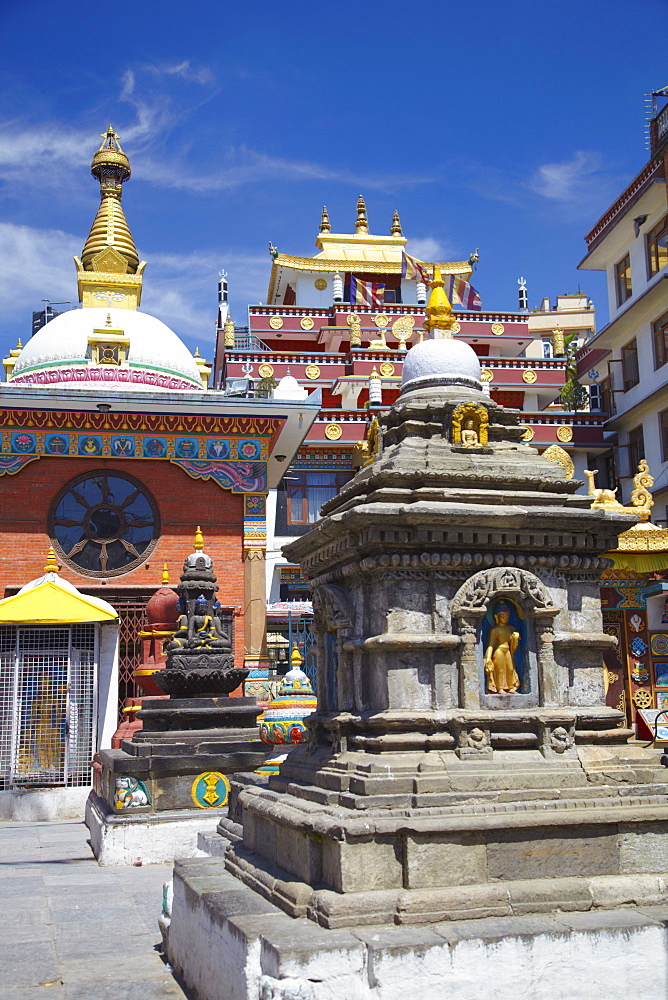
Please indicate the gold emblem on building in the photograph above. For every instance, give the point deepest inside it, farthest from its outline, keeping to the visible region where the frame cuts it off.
(387, 369)
(487, 375)
(402, 329)
(320, 284)
(456, 327)
(306, 323)
(529, 376)
(556, 454)
(333, 431)
(497, 329)
(528, 433)
(312, 371)
(266, 371)
(565, 433)
(276, 322)
(381, 321)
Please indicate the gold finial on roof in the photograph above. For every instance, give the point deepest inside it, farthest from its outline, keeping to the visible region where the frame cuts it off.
(296, 658)
(199, 539)
(196, 354)
(51, 564)
(438, 308)
(165, 575)
(642, 484)
(395, 228)
(362, 225)
(19, 345)
(324, 221)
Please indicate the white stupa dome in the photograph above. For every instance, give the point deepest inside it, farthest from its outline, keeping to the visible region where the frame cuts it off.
(155, 358)
(441, 362)
(289, 388)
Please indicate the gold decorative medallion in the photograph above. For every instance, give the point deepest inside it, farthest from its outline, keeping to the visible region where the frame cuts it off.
(276, 322)
(487, 375)
(565, 433)
(306, 323)
(642, 699)
(333, 431)
(402, 329)
(387, 369)
(320, 284)
(529, 376)
(210, 790)
(556, 454)
(497, 329)
(352, 318)
(381, 321)
(456, 327)
(312, 371)
(528, 433)
(266, 371)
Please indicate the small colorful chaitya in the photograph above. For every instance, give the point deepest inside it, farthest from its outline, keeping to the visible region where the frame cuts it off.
(283, 722)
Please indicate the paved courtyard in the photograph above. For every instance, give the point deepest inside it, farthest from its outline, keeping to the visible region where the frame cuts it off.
(70, 930)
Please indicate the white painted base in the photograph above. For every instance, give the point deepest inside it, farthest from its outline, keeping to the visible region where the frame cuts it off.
(148, 839)
(229, 944)
(40, 805)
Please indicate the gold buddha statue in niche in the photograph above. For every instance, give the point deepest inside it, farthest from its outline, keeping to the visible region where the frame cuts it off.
(469, 435)
(500, 648)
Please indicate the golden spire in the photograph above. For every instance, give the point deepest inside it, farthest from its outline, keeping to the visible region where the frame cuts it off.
(165, 575)
(438, 309)
(51, 564)
(296, 658)
(361, 226)
(395, 228)
(324, 221)
(110, 250)
(199, 539)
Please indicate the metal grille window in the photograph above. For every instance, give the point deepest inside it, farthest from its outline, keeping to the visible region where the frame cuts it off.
(48, 705)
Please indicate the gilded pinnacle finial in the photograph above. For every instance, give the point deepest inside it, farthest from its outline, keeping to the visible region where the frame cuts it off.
(296, 658)
(439, 309)
(51, 564)
(19, 345)
(395, 228)
(165, 575)
(196, 354)
(199, 539)
(362, 225)
(324, 221)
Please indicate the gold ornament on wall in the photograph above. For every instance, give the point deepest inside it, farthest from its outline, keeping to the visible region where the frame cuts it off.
(387, 369)
(229, 332)
(529, 376)
(312, 371)
(565, 433)
(306, 323)
(381, 321)
(642, 699)
(528, 433)
(556, 454)
(266, 371)
(402, 330)
(497, 329)
(470, 426)
(487, 375)
(333, 431)
(355, 324)
(276, 322)
(456, 327)
(320, 284)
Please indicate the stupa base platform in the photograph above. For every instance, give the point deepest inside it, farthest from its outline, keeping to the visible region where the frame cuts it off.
(227, 942)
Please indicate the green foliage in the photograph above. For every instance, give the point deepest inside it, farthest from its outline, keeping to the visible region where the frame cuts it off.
(573, 395)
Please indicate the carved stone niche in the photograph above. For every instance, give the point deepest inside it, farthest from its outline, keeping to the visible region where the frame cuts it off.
(334, 620)
(470, 424)
(507, 613)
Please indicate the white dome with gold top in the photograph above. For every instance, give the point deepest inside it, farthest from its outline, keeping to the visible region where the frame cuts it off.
(107, 349)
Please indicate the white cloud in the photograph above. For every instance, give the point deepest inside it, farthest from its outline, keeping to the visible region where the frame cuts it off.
(569, 180)
(429, 249)
(185, 71)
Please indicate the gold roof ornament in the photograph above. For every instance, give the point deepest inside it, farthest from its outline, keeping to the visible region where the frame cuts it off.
(199, 540)
(395, 228)
(324, 221)
(439, 309)
(51, 564)
(228, 328)
(361, 225)
(165, 575)
(109, 257)
(644, 547)
(641, 498)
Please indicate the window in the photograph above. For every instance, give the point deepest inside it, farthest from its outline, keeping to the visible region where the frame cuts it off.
(607, 397)
(623, 280)
(636, 444)
(630, 365)
(657, 248)
(663, 424)
(595, 396)
(104, 523)
(308, 491)
(660, 340)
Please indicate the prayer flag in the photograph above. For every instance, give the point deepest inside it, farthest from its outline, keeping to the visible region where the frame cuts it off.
(414, 270)
(366, 293)
(461, 293)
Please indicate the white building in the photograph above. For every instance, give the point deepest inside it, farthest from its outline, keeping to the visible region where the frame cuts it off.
(630, 243)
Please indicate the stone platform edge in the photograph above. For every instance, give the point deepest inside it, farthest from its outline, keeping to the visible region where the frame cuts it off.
(226, 942)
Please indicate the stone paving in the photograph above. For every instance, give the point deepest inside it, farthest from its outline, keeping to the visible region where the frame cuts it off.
(70, 930)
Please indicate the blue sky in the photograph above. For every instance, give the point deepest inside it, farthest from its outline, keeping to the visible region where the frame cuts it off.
(509, 127)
